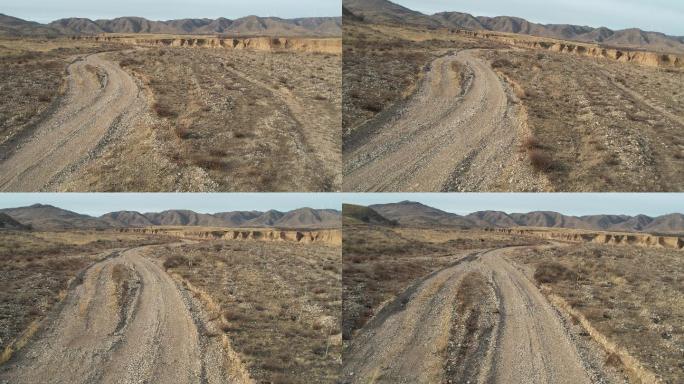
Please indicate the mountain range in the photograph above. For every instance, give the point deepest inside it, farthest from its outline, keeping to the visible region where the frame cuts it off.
(246, 26)
(410, 213)
(386, 12)
(47, 218)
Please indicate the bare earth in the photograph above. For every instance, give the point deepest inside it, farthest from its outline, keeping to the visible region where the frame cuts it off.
(521, 339)
(126, 323)
(458, 133)
(101, 97)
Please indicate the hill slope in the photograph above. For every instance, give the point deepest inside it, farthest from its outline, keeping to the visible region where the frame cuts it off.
(383, 11)
(7, 222)
(356, 214)
(417, 214)
(49, 218)
(250, 26)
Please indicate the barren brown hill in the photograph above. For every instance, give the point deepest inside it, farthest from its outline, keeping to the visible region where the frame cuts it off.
(237, 218)
(386, 12)
(411, 213)
(310, 218)
(49, 218)
(126, 219)
(7, 222)
(46, 217)
(416, 214)
(14, 27)
(356, 214)
(250, 25)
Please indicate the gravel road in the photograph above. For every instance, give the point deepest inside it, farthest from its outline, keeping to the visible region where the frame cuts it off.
(453, 135)
(100, 97)
(127, 322)
(408, 341)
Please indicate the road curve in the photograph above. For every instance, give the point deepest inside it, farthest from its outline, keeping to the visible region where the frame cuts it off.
(126, 323)
(100, 96)
(442, 140)
(407, 342)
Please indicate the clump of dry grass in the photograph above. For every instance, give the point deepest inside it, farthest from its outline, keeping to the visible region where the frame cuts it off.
(540, 160)
(551, 272)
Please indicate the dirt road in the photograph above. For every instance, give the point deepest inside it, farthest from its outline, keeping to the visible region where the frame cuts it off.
(451, 136)
(126, 323)
(100, 97)
(519, 340)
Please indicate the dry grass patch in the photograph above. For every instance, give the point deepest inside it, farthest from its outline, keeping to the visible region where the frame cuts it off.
(278, 303)
(632, 296)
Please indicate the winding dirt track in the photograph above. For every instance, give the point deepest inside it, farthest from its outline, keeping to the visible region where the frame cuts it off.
(100, 97)
(407, 341)
(126, 323)
(442, 140)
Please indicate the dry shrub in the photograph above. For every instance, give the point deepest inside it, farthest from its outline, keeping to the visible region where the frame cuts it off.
(164, 110)
(531, 143)
(502, 63)
(372, 106)
(551, 272)
(614, 360)
(127, 62)
(540, 160)
(183, 132)
(175, 261)
(209, 162)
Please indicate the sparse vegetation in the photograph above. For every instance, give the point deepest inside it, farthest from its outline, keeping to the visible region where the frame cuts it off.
(632, 296)
(278, 303)
(210, 101)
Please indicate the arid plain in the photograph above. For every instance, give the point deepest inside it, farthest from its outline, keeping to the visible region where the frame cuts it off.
(135, 105)
(174, 296)
(434, 297)
(451, 102)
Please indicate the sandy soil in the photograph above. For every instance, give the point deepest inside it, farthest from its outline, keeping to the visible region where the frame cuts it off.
(126, 323)
(458, 133)
(101, 97)
(524, 340)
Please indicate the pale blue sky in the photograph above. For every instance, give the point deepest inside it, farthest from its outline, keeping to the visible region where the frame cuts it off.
(665, 16)
(45, 11)
(576, 204)
(97, 204)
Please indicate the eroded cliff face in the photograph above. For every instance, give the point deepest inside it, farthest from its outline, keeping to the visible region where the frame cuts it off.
(651, 59)
(326, 236)
(270, 44)
(632, 239)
